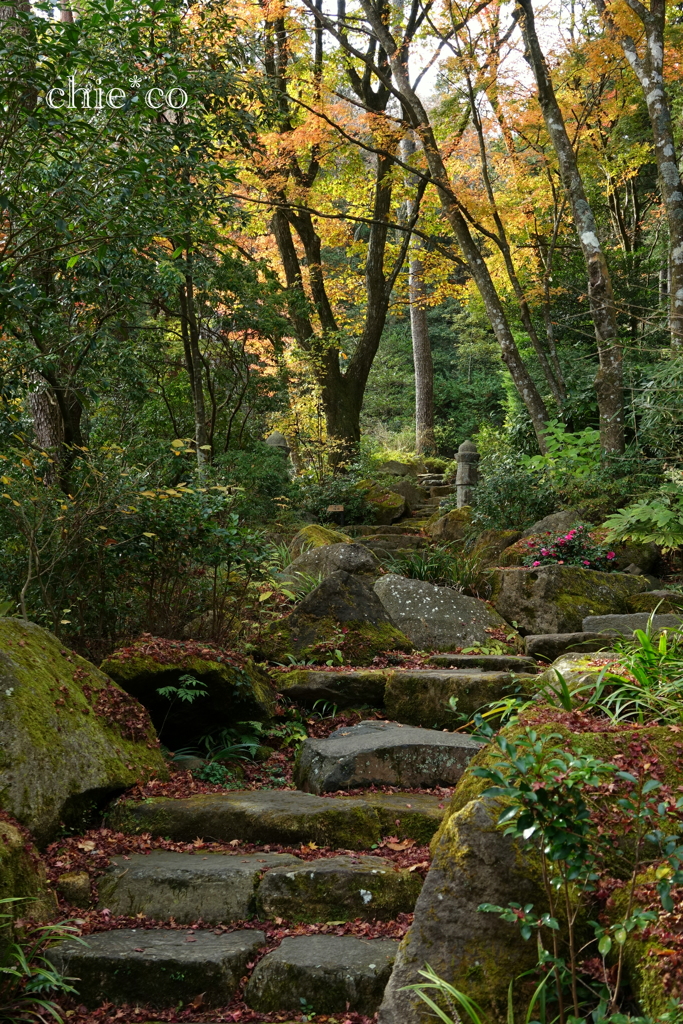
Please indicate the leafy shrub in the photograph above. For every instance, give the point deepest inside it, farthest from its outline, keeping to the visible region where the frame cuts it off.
(436, 465)
(576, 547)
(658, 518)
(313, 497)
(569, 456)
(511, 497)
(28, 980)
(121, 555)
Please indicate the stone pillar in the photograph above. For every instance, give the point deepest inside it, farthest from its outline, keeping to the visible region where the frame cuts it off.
(468, 472)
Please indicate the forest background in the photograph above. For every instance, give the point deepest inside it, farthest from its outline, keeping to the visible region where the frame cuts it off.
(380, 229)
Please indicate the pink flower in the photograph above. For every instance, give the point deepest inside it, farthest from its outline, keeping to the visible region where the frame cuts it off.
(535, 563)
(561, 562)
(586, 562)
(610, 556)
(562, 540)
(544, 551)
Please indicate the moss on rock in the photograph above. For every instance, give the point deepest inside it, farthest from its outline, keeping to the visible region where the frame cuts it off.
(22, 877)
(316, 536)
(557, 598)
(315, 640)
(453, 527)
(69, 736)
(490, 544)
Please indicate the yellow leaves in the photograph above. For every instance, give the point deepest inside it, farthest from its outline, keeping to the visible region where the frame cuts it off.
(264, 597)
(5, 480)
(149, 535)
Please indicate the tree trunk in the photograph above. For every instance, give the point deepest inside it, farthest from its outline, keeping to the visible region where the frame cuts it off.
(422, 361)
(193, 364)
(649, 71)
(422, 350)
(477, 265)
(609, 382)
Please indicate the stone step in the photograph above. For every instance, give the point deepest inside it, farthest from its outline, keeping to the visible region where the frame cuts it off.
(441, 490)
(397, 541)
(331, 973)
(219, 888)
(487, 662)
(338, 889)
(553, 645)
(431, 479)
(395, 529)
(345, 689)
(160, 967)
(285, 817)
(215, 888)
(376, 753)
(421, 696)
(626, 625)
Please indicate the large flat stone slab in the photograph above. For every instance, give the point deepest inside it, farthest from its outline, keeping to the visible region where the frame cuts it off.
(383, 754)
(420, 696)
(626, 624)
(437, 617)
(212, 887)
(287, 817)
(338, 889)
(332, 973)
(485, 662)
(345, 689)
(158, 968)
(554, 645)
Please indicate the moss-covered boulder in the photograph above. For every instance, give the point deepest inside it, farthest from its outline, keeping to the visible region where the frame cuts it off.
(234, 691)
(387, 506)
(316, 536)
(557, 598)
(22, 876)
(422, 697)
(453, 527)
(490, 544)
(69, 736)
(341, 614)
(474, 863)
(663, 602)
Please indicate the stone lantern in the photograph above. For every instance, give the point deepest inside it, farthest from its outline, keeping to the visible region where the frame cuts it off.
(468, 472)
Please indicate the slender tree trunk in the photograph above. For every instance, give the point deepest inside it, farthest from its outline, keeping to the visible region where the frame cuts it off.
(475, 261)
(609, 382)
(423, 363)
(193, 364)
(649, 70)
(422, 360)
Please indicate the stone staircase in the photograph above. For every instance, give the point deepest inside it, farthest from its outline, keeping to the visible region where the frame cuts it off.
(209, 920)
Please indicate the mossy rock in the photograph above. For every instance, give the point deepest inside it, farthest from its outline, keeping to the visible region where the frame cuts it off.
(315, 641)
(387, 507)
(70, 738)
(662, 601)
(557, 598)
(603, 745)
(645, 959)
(316, 536)
(576, 668)
(478, 953)
(233, 693)
(452, 527)
(490, 544)
(341, 614)
(22, 877)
